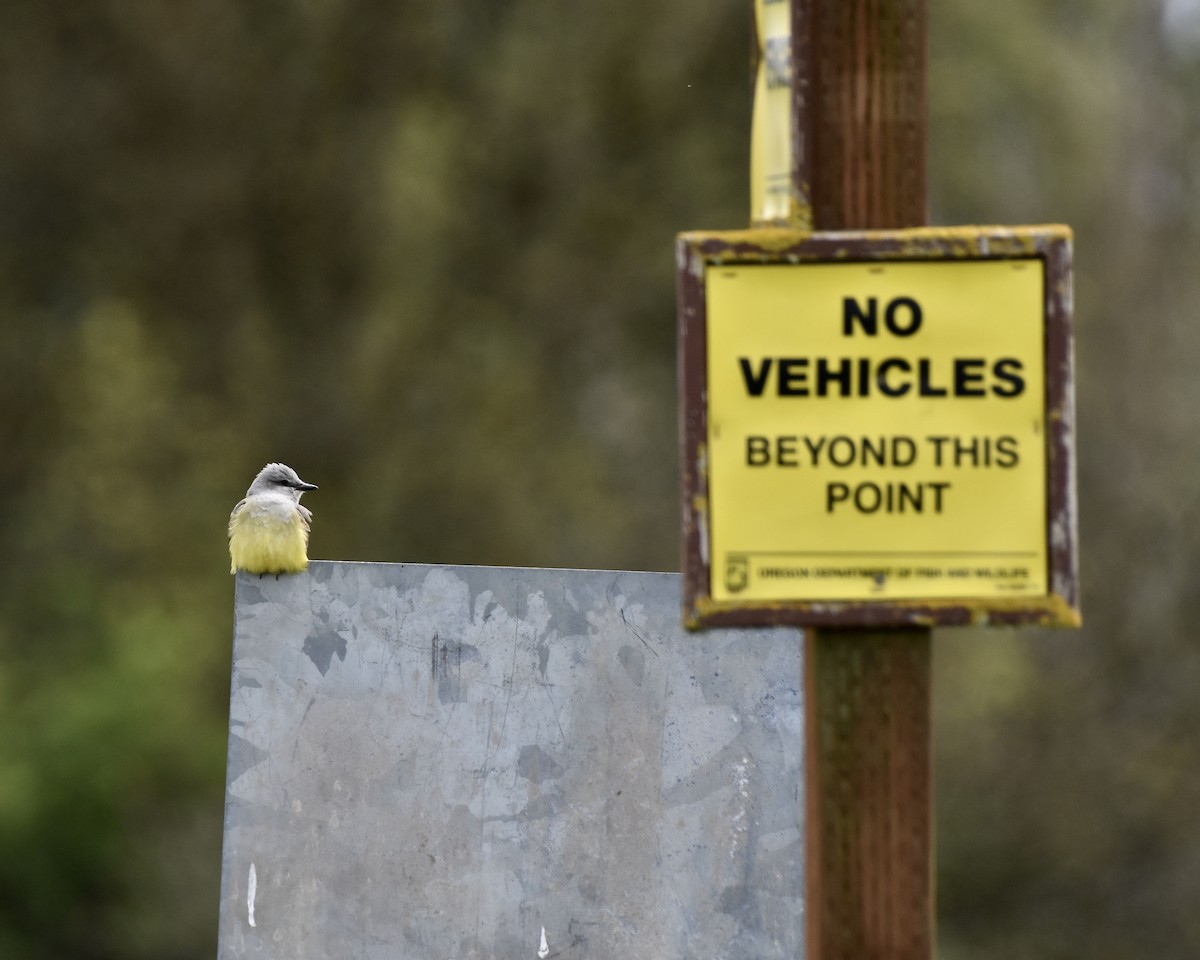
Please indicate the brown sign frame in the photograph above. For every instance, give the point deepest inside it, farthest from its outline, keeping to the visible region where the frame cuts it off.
(697, 251)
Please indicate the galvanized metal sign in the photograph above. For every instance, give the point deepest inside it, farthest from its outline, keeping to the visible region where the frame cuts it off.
(439, 762)
(877, 426)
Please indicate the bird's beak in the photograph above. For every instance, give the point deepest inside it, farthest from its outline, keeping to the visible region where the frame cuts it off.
(302, 486)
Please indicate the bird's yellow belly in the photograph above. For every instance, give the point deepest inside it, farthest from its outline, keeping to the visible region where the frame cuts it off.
(264, 542)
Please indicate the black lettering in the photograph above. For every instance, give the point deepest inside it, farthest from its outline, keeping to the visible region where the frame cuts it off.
(937, 448)
(914, 316)
(881, 377)
(1009, 370)
(925, 388)
(793, 377)
(909, 448)
(825, 374)
(870, 452)
(964, 449)
(915, 495)
(846, 446)
(851, 312)
(864, 376)
(758, 451)
(785, 447)
(814, 451)
(869, 497)
(868, 505)
(1007, 452)
(835, 493)
(968, 378)
(755, 382)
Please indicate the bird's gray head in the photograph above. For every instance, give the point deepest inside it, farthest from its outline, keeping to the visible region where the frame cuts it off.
(279, 478)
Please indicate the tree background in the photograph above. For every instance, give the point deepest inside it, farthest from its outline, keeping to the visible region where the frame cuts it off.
(423, 253)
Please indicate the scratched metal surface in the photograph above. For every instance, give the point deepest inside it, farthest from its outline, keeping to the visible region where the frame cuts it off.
(441, 763)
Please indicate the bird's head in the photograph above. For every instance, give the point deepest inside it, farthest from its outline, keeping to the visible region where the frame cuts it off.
(279, 478)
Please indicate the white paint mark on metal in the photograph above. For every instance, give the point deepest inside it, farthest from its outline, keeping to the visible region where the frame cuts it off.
(740, 828)
(544, 949)
(251, 892)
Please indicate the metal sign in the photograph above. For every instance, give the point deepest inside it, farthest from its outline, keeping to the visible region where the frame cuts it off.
(448, 761)
(878, 427)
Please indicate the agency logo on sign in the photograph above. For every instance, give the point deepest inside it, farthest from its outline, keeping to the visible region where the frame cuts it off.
(737, 573)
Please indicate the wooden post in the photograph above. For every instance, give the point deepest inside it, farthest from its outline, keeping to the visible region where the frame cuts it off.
(859, 159)
(869, 893)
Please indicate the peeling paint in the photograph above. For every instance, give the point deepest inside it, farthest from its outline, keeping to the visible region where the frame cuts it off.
(773, 243)
(251, 894)
(777, 244)
(702, 531)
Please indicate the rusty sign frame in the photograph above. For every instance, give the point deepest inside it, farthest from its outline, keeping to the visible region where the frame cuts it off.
(697, 251)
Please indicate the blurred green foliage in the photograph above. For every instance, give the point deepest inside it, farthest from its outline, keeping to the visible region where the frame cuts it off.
(423, 253)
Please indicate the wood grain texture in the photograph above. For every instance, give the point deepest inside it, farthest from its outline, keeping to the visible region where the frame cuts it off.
(869, 767)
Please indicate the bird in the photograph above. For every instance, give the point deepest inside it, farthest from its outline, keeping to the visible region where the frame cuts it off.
(268, 529)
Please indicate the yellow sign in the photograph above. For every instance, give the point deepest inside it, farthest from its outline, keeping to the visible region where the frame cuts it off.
(877, 430)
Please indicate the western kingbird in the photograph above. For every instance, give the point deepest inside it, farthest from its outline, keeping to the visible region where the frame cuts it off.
(268, 530)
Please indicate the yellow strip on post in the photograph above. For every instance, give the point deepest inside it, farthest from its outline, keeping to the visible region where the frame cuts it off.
(772, 199)
(876, 430)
